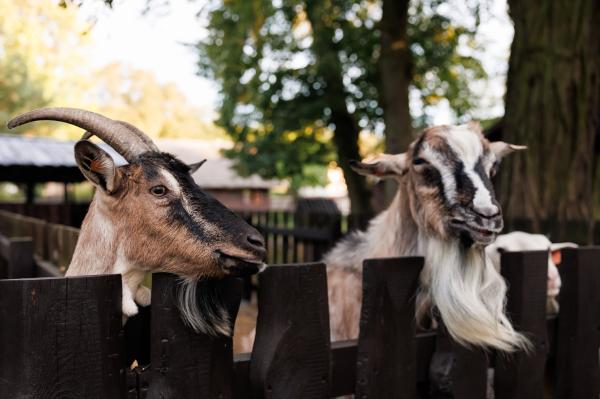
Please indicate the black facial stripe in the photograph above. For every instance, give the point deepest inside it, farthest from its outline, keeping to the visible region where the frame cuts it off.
(200, 205)
(465, 189)
(178, 215)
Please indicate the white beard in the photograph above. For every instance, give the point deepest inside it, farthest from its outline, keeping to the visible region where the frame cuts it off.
(469, 294)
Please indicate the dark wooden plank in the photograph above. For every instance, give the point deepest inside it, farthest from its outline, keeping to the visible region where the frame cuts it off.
(343, 367)
(386, 363)
(291, 356)
(186, 364)
(577, 370)
(241, 367)
(61, 338)
(457, 371)
(20, 262)
(520, 375)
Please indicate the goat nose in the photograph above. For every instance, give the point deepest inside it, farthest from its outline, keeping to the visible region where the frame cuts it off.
(487, 211)
(256, 240)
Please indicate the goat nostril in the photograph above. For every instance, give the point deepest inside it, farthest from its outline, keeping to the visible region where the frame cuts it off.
(256, 240)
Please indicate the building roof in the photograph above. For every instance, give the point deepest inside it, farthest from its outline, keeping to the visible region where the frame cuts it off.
(49, 158)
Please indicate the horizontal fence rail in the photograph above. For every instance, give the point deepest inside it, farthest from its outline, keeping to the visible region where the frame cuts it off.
(63, 337)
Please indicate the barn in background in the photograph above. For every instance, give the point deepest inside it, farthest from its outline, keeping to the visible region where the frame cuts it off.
(45, 170)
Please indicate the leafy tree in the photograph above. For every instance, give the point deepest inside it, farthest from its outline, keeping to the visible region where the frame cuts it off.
(40, 54)
(43, 47)
(301, 78)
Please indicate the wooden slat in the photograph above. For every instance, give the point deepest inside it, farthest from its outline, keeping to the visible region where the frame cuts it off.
(386, 345)
(60, 338)
(520, 375)
(577, 370)
(186, 364)
(457, 371)
(291, 356)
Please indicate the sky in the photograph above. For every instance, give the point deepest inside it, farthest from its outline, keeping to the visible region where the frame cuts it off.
(156, 40)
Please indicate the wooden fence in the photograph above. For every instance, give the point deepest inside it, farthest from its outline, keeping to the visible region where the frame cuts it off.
(53, 244)
(62, 338)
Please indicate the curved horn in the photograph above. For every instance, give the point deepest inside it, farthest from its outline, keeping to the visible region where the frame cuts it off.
(138, 132)
(119, 137)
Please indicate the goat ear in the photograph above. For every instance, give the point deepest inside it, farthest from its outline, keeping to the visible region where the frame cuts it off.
(195, 166)
(501, 149)
(96, 165)
(382, 165)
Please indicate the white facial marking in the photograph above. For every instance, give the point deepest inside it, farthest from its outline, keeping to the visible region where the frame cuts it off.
(173, 185)
(171, 182)
(441, 164)
(467, 144)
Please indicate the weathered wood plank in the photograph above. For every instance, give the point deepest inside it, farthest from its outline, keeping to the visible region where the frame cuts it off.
(61, 338)
(186, 364)
(457, 371)
(578, 338)
(386, 364)
(291, 356)
(520, 375)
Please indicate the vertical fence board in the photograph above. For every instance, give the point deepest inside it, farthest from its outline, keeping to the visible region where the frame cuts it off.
(386, 359)
(60, 338)
(19, 258)
(577, 372)
(520, 375)
(186, 364)
(291, 355)
(457, 371)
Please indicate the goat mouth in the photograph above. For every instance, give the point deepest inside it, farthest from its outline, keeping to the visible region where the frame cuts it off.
(237, 266)
(478, 234)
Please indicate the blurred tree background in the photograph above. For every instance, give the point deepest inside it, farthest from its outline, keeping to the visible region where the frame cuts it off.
(43, 48)
(305, 84)
(301, 79)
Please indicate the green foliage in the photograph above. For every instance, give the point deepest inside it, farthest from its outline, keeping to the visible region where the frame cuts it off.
(273, 102)
(43, 47)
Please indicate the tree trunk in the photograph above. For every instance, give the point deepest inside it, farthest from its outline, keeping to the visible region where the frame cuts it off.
(552, 106)
(395, 67)
(346, 130)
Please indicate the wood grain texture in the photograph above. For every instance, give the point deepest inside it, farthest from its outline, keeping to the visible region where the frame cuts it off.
(291, 355)
(577, 370)
(186, 364)
(386, 359)
(520, 375)
(61, 338)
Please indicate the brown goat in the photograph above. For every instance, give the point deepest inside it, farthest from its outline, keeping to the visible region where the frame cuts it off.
(149, 216)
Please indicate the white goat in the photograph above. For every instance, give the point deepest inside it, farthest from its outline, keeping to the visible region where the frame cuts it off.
(446, 211)
(521, 241)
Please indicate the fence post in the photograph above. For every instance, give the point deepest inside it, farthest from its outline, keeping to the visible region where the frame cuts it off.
(386, 359)
(18, 257)
(520, 375)
(61, 338)
(578, 337)
(457, 371)
(186, 364)
(291, 355)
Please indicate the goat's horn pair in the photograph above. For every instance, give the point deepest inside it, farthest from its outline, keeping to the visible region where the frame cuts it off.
(126, 139)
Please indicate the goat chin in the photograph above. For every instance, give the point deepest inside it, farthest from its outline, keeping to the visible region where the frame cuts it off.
(202, 308)
(469, 294)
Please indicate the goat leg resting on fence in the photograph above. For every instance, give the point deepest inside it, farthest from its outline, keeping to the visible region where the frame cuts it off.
(150, 216)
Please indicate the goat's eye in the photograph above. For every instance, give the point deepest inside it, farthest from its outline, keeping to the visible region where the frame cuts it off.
(419, 161)
(158, 191)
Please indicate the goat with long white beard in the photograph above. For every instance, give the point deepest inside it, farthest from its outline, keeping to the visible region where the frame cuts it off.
(445, 210)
